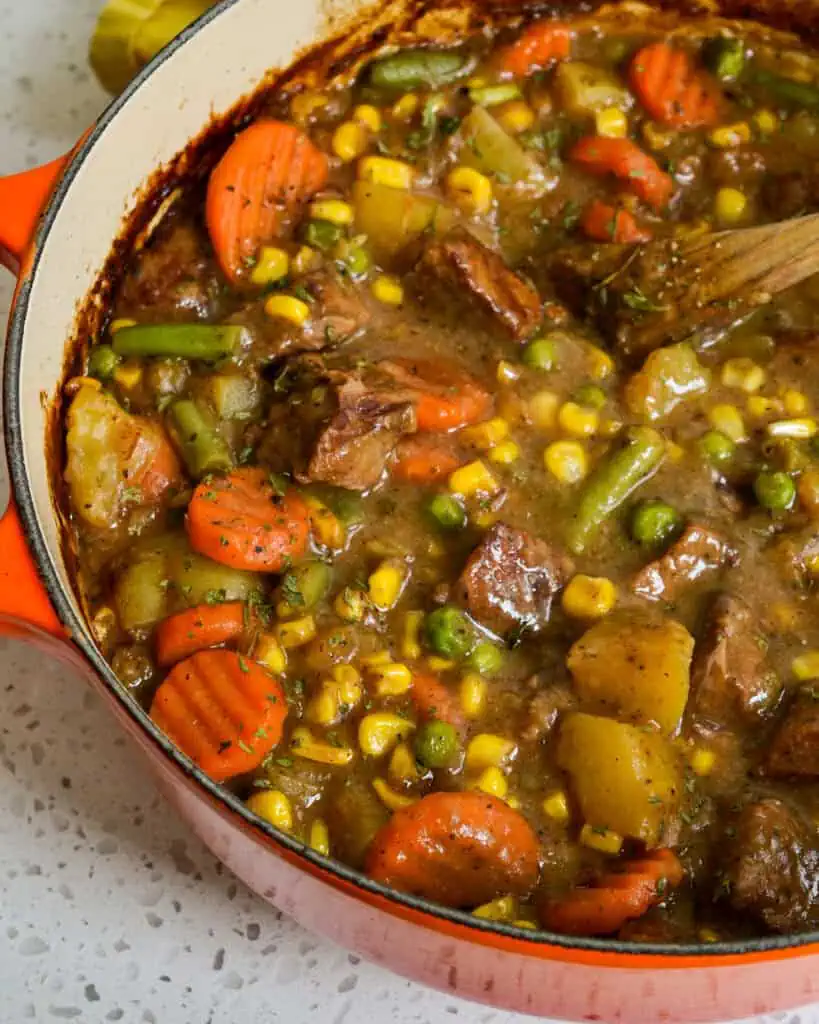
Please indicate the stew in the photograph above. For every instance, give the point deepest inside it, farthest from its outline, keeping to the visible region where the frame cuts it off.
(395, 536)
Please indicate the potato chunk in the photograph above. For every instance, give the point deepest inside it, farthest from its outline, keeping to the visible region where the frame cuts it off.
(623, 777)
(586, 89)
(635, 666)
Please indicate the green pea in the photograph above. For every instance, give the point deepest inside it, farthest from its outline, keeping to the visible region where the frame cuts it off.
(486, 659)
(102, 362)
(436, 744)
(357, 260)
(654, 523)
(717, 448)
(540, 354)
(775, 491)
(590, 395)
(448, 632)
(447, 511)
(322, 234)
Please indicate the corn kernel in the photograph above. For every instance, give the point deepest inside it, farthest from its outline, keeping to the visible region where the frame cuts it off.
(492, 781)
(507, 373)
(796, 428)
(515, 116)
(390, 798)
(368, 115)
(470, 190)
(601, 365)
(410, 643)
(379, 731)
(384, 585)
(472, 694)
(483, 518)
(337, 696)
(304, 260)
(601, 839)
(404, 108)
(727, 419)
(305, 745)
(336, 211)
(577, 420)
(556, 806)
(528, 925)
(656, 139)
(272, 806)
(511, 801)
(504, 454)
(350, 140)
(123, 321)
(708, 935)
(270, 653)
(323, 709)
(288, 307)
(297, 632)
(589, 597)
(744, 374)
(505, 908)
(392, 680)
(376, 659)
(128, 375)
(611, 123)
(765, 121)
(320, 837)
(566, 461)
(674, 451)
(487, 434)
(437, 664)
(325, 524)
(402, 767)
(383, 170)
(542, 409)
(760, 407)
(806, 666)
(795, 402)
(351, 604)
(272, 265)
(473, 478)
(305, 104)
(729, 136)
(488, 750)
(703, 761)
(729, 205)
(388, 289)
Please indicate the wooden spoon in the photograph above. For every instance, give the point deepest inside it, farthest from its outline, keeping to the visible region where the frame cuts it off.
(691, 288)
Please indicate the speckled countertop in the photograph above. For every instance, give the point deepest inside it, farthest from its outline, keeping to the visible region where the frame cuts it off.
(109, 909)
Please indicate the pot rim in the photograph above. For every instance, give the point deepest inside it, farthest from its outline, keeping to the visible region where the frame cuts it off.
(614, 953)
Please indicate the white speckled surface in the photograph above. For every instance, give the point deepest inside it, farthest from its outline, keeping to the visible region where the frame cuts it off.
(109, 910)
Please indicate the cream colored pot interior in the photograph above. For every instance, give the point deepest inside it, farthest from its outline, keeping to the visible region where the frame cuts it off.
(224, 60)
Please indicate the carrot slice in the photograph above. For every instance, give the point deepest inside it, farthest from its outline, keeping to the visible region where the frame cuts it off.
(460, 849)
(222, 710)
(445, 397)
(606, 223)
(540, 45)
(423, 461)
(194, 629)
(625, 160)
(617, 897)
(672, 89)
(241, 521)
(433, 699)
(269, 171)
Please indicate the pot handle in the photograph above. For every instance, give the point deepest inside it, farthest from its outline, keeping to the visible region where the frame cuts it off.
(25, 608)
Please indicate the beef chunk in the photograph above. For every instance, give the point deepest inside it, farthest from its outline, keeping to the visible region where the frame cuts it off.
(511, 579)
(773, 872)
(790, 193)
(351, 449)
(699, 552)
(794, 751)
(464, 266)
(173, 275)
(731, 672)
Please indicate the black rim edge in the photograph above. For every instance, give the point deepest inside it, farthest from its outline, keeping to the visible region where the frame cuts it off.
(47, 570)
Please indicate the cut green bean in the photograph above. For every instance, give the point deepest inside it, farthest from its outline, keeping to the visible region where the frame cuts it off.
(786, 90)
(492, 95)
(416, 69)
(322, 234)
(612, 483)
(725, 57)
(201, 447)
(208, 342)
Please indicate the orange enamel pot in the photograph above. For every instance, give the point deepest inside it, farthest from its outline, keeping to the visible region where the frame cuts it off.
(59, 257)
